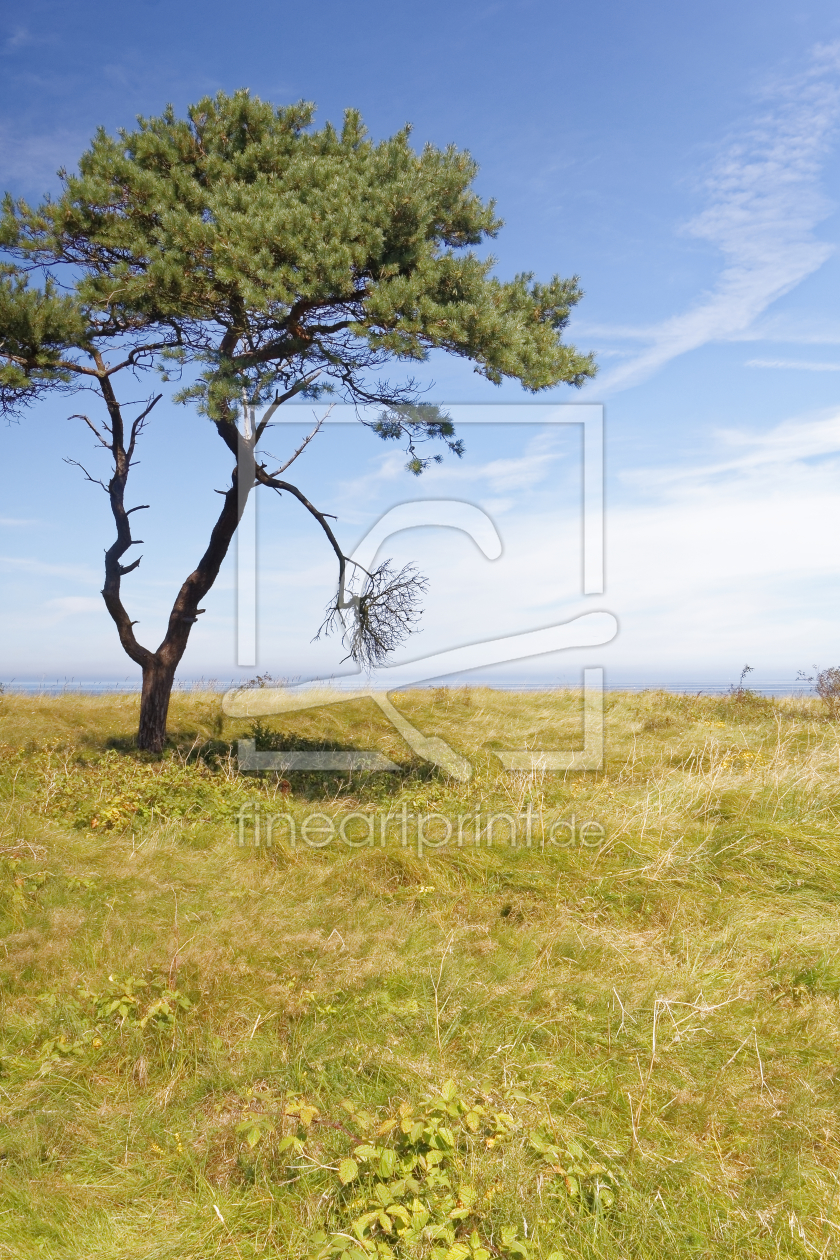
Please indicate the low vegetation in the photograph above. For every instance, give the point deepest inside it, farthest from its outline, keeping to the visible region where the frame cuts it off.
(619, 1040)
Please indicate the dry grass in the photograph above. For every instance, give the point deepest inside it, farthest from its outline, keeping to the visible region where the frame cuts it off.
(668, 998)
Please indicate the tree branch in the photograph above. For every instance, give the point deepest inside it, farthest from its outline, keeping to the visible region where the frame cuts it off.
(138, 425)
(92, 427)
(302, 446)
(185, 610)
(114, 570)
(266, 479)
(95, 480)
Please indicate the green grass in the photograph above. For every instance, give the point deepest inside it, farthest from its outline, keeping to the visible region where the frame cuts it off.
(642, 1034)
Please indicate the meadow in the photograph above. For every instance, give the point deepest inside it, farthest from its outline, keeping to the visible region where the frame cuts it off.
(613, 1042)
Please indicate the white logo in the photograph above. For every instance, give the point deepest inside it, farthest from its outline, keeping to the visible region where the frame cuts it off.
(589, 629)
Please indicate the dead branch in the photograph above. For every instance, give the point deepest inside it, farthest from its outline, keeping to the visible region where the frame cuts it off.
(94, 480)
(382, 615)
(302, 446)
(92, 427)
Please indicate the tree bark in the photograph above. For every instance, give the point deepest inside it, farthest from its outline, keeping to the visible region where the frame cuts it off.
(159, 667)
(154, 705)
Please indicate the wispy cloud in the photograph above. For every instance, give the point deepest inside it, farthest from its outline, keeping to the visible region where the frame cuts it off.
(793, 328)
(522, 472)
(765, 204)
(794, 364)
(28, 163)
(19, 38)
(784, 447)
(31, 566)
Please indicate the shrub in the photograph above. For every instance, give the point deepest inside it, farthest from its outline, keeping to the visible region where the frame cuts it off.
(827, 687)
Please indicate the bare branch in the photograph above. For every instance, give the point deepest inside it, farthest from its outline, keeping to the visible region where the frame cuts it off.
(382, 614)
(302, 446)
(92, 427)
(114, 570)
(94, 480)
(138, 425)
(266, 479)
(385, 609)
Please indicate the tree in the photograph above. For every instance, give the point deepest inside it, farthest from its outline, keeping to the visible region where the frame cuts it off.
(255, 260)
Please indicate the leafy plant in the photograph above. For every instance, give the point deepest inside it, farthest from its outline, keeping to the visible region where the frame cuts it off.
(404, 1187)
(18, 887)
(144, 1004)
(591, 1185)
(267, 1114)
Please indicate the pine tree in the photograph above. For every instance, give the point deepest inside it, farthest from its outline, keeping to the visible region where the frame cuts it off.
(265, 260)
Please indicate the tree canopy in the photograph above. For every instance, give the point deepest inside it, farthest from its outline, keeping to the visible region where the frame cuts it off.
(266, 252)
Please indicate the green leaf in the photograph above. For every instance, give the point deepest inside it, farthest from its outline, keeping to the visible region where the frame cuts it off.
(458, 1251)
(383, 1193)
(467, 1195)
(348, 1170)
(363, 1224)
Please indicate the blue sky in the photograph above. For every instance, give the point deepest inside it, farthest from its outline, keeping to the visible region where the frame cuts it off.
(682, 159)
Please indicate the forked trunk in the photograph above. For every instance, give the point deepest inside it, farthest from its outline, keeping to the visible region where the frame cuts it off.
(159, 667)
(154, 705)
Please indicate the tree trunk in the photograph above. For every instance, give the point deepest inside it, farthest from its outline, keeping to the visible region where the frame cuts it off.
(154, 705)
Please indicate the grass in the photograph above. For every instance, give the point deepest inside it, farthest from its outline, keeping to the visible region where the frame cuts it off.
(627, 1048)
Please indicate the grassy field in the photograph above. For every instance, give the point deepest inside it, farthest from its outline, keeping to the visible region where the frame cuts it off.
(622, 1042)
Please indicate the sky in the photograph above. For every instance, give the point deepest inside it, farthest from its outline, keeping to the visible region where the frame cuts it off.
(681, 159)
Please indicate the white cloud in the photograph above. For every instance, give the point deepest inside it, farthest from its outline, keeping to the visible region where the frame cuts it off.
(793, 328)
(521, 472)
(28, 163)
(765, 204)
(793, 364)
(30, 565)
(19, 38)
(735, 558)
